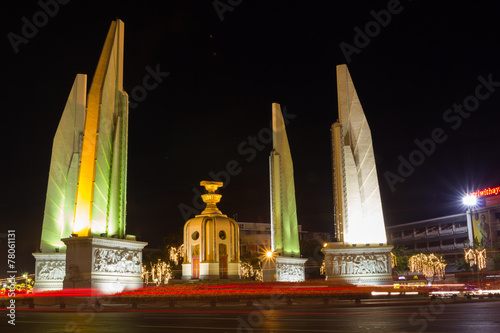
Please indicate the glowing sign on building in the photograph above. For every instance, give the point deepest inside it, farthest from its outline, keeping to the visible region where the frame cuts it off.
(486, 192)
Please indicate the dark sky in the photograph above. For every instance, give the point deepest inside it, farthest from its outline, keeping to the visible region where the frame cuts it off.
(223, 77)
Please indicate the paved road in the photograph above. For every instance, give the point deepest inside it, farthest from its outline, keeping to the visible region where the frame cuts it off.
(437, 316)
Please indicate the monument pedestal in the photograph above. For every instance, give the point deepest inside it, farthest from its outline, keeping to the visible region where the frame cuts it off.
(359, 264)
(50, 269)
(268, 270)
(289, 269)
(109, 265)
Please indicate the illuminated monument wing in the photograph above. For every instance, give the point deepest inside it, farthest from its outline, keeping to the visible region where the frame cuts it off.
(360, 255)
(284, 226)
(86, 195)
(61, 189)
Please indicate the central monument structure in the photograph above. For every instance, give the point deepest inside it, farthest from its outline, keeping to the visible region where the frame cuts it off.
(284, 226)
(211, 241)
(84, 243)
(361, 254)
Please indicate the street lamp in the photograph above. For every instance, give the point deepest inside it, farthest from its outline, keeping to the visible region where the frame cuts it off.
(469, 201)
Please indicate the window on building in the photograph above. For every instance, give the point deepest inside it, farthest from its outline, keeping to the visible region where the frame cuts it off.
(421, 246)
(420, 232)
(434, 244)
(408, 233)
(448, 242)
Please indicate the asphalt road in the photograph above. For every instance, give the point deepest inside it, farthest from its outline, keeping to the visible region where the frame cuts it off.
(436, 316)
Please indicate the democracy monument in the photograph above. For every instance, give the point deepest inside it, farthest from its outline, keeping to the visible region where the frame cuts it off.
(360, 254)
(84, 242)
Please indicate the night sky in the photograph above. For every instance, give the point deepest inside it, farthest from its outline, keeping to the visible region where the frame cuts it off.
(413, 72)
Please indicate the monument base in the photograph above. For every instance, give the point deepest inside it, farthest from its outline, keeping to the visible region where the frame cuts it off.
(289, 269)
(186, 272)
(211, 271)
(358, 264)
(109, 265)
(50, 269)
(268, 270)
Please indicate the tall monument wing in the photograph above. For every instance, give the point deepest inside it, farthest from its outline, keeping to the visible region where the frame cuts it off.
(287, 264)
(358, 207)
(84, 223)
(63, 172)
(360, 255)
(100, 204)
(285, 237)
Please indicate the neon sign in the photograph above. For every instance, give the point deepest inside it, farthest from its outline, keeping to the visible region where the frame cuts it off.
(486, 192)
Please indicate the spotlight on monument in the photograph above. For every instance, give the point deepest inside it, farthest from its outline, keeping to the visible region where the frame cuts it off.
(325, 244)
(469, 200)
(269, 254)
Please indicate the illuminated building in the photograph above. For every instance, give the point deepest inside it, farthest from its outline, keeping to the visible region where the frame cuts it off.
(211, 241)
(442, 235)
(484, 217)
(83, 236)
(446, 235)
(284, 226)
(361, 254)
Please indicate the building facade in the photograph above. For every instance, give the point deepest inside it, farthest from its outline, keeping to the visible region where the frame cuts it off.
(446, 235)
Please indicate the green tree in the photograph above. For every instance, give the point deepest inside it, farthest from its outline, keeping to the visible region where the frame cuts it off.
(475, 256)
(403, 255)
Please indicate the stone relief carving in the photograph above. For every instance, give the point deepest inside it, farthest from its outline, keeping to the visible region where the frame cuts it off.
(51, 270)
(289, 272)
(358, 264)
(116, 261)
